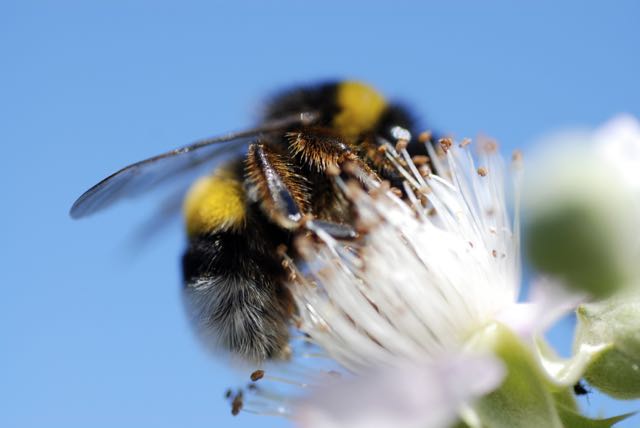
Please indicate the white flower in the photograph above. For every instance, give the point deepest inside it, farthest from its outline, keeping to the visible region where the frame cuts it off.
(400, 310)
(428, 275)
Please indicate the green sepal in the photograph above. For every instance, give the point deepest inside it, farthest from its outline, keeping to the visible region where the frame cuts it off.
(567, 399)
(615, 374)
(615, 322)
(460, 424)
(524, 398)
(572, 419)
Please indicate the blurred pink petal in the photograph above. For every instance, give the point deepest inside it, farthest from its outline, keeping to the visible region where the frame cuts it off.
(549, 301)
(415, 396)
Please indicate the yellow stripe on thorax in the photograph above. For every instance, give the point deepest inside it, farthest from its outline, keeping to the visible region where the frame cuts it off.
(360, 108)
(215, 203)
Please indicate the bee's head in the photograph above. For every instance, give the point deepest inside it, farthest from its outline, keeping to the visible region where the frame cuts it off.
(396, 123)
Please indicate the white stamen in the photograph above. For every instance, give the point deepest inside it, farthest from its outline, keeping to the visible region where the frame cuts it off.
(419, 284)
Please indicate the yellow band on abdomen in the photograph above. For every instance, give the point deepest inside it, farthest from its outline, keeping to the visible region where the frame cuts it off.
(215, 203)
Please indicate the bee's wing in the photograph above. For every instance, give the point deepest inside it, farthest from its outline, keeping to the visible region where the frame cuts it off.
(141, 177)
(159, 221)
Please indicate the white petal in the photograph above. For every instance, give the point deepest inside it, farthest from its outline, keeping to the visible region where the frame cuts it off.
(549, 301)
(618, 143)
(415, 396)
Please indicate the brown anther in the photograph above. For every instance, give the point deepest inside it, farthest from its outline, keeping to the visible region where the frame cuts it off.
(516, 156)
(332, 170)
(285, 354)
(396, 192)
(424, 170)
(252, 387)
(228, 393)
(489, 145)
(401, 145)
(446, 143)
(419, 160)
(432, 212)
(385, 185)
(323, 327)
(424, 136)
(494, 253)
(482, 171)
(382, 149)
(465, 142)
(306, 219)
(424, 190)
(236, 404)
(362, 228)
(257, 375)
(471, 244)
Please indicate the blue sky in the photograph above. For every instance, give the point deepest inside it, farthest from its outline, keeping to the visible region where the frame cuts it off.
(93, 335)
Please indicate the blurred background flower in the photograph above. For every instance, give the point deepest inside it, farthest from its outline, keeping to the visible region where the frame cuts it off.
(583, 223)
(582, 205)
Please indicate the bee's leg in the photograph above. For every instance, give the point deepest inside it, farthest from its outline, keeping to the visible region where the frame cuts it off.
(325, 151)
(282, 192)
(336, 230)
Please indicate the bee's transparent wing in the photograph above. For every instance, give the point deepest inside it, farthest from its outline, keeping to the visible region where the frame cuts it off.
(144, 176)
(162, 219)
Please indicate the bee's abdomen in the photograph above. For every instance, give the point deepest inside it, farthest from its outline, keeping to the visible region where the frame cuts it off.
(235, 295)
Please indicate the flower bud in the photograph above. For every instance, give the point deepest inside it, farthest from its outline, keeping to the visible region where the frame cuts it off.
(616, 322)
(583, 212)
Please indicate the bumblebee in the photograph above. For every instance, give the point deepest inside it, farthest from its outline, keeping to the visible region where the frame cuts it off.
(266, 182)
